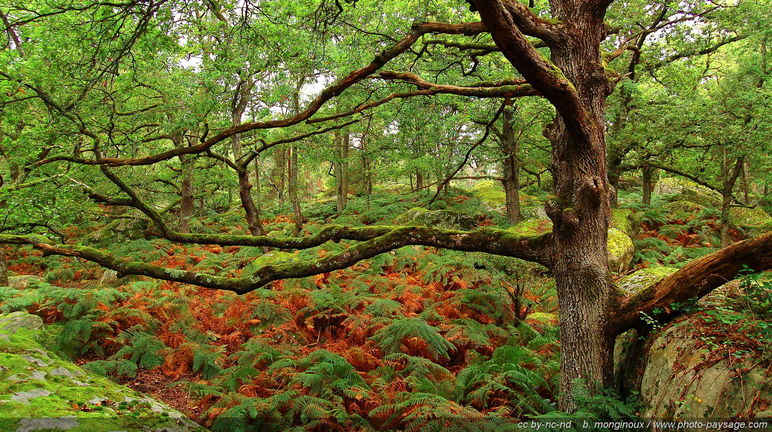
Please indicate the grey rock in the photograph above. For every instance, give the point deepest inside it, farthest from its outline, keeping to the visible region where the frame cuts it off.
(23, 281)
(25, 396)
(34, 360)
(14, 321)
(37, 424)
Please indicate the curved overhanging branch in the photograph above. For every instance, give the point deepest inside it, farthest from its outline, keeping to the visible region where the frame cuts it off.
(494, 241)
(695, 279)
(508, 22)
(416, 31)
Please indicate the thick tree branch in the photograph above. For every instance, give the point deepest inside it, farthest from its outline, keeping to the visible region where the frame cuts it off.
(695, 279)
(546, 77)
(494, 241)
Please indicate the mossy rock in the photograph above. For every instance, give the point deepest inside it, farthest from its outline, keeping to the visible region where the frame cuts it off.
(24, 281)
(41, 391)
(624, 220)
(687, 190)
(682, 206)
(672, 371)
(490, 193)
(418, 216)
(542, 319)
(753, 221)
(620, 250)
(677, 382)
(643, 279)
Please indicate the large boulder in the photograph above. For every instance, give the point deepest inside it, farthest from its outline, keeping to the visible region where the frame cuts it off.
(753, 221)
(683, 370)
(418, 216)
(687, 190)
(41, 391)
(681, 379)
(491, 194)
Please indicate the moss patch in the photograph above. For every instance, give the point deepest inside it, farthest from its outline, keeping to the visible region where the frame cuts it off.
(39, 390)
(643, 279)
(755, 219)
(624, 220)
(620, 250)
(687, 190)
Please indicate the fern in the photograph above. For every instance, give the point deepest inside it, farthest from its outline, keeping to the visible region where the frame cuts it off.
(391, 337)
(512, 372)
(141, 349)
(207, 360)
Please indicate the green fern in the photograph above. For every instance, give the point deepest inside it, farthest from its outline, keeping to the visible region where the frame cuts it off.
(391, 337)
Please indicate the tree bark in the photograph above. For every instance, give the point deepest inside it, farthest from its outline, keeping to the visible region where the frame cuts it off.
(292, 181)
(648, 183)
(341, 170)
(511, 168)
(730, 178)
(186, 193)
(251, 212)
(576, 84)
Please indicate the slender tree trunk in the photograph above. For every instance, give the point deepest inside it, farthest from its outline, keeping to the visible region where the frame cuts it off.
(648, 183)
(251, 211)
(3, 269)
(186, 186)
(511, 168)
(278, 175)
(419, 180)
(730, 178)
(186, 193)
(746, 183)
(341, 171)
(292, 180)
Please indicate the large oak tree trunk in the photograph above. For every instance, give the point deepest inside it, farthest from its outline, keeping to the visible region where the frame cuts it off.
(581, 212)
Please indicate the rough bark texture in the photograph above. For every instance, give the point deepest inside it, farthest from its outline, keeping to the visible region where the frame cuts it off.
(575, 83)
(251, 211)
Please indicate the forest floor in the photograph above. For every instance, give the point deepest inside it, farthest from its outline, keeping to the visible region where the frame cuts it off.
(399, 341)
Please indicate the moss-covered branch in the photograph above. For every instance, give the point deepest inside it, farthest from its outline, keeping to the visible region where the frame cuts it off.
(376, 240)
(695, 279)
